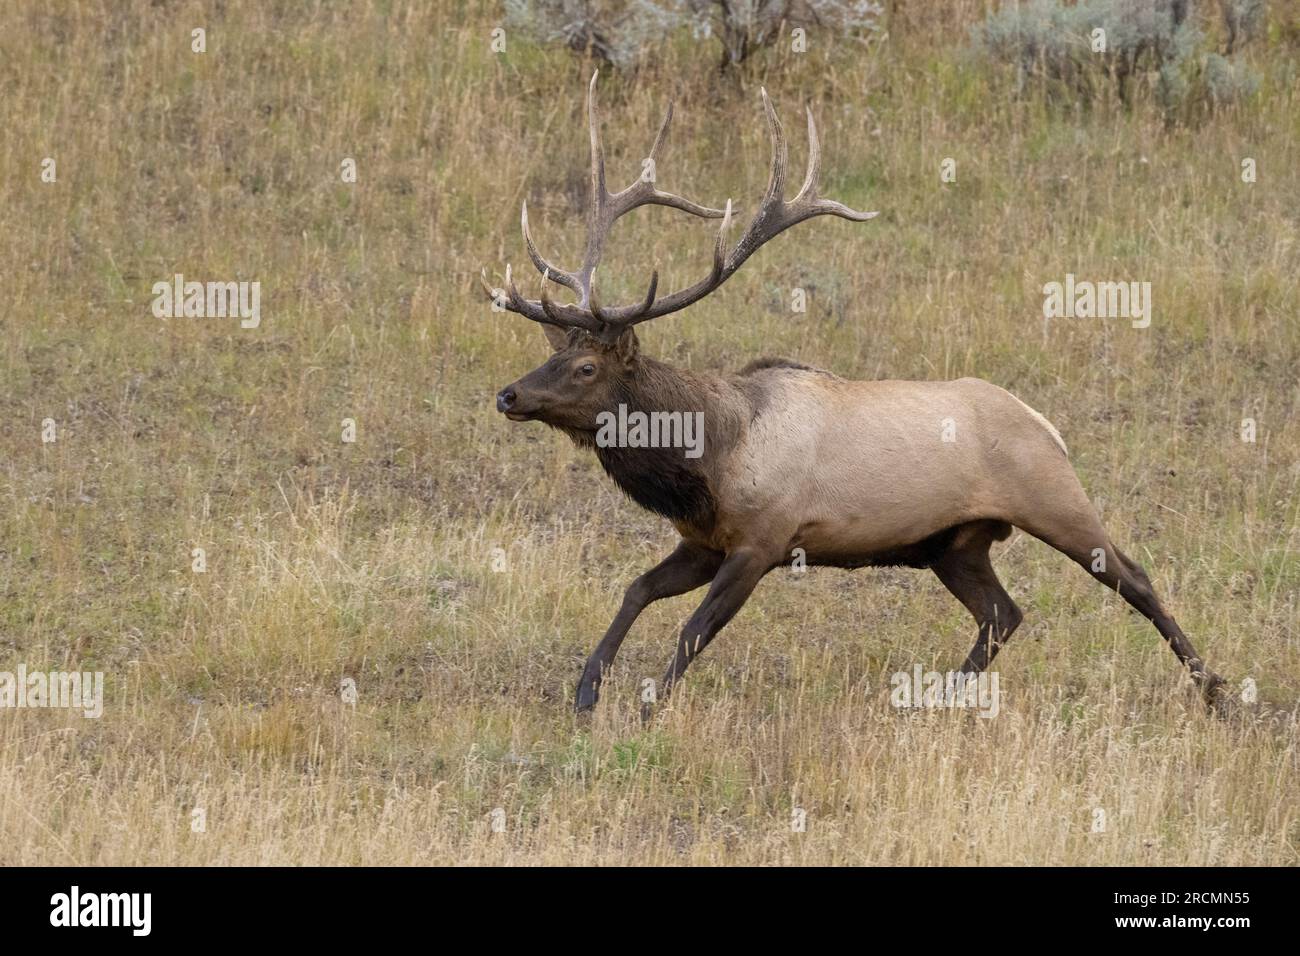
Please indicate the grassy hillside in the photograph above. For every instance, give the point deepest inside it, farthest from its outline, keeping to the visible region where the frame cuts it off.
(374, 561)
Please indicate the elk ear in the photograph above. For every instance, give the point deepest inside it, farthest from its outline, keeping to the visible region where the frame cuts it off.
(627, 347)
(558, 338)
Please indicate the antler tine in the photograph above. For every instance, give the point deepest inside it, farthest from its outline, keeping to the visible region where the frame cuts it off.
(662, 134)
(598, 192)
(597, 221)
(593, 306)
(650, 293)
(720, 247)
(773, 213)
(660, 198)
(644, 192)
(612, 326)
(598, 218)
(807, 203)
(516, 300)
(565, 316)
(620, 319)
(657, 196)
(566, 279)
(548, 305)
(829, 207)
(780, 155)
(544, 311)
(809, 188)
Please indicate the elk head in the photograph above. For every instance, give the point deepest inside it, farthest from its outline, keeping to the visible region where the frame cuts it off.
(596, 360)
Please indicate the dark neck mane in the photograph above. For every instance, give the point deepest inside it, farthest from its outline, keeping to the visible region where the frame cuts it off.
(664, 480)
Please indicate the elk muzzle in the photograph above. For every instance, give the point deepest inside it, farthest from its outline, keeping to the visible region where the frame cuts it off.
(519, 402)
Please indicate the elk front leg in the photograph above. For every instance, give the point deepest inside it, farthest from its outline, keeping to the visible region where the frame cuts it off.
(735, 582)
(687, 568)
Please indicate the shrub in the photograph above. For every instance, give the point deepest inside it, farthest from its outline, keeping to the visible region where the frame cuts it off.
(1243, 20)
(743, 26)
(1079, 49)
(620, 34)
(615, 33)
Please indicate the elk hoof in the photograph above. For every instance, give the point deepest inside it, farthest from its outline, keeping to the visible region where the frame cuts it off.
(587, 696)
(1216, 693)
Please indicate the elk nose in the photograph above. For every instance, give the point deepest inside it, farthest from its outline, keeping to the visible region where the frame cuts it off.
(505, 399)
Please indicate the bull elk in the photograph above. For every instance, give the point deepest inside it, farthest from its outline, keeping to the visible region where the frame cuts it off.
(854, 473)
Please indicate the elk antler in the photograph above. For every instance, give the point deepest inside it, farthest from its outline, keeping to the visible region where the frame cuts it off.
(774, 215)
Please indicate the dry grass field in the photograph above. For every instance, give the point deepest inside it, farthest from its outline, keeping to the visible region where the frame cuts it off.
(375, 561)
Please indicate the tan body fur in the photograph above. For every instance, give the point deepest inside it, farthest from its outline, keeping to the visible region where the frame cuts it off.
(845, 470)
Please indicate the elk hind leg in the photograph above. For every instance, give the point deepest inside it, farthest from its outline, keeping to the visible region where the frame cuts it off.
(1077, 532)
(966, 571)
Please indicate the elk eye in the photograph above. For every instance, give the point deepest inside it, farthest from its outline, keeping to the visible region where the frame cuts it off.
(588, 369)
